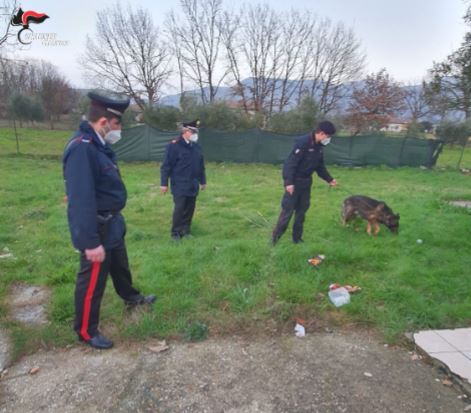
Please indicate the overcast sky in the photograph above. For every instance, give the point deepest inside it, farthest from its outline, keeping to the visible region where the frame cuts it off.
(403, 36)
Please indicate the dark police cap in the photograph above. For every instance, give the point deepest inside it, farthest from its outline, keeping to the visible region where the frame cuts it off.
(194, 125)
(327, 127)
(114, 103)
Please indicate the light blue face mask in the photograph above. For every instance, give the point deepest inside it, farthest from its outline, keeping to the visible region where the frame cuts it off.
(194, 137)
(112, 136)
(325, 141)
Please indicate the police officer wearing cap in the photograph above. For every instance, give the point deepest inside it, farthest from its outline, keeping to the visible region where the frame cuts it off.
(184, 165)
(306, 158)
(96, 195)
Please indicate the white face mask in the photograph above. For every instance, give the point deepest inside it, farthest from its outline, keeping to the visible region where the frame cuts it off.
(112, 136)
(194, 137)
(325, 141)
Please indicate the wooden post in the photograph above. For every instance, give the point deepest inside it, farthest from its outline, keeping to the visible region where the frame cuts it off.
(461, 156)
(16, 136)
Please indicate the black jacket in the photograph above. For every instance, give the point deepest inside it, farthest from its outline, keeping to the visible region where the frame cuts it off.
(184, 165)
(94, 187)
(305, 158)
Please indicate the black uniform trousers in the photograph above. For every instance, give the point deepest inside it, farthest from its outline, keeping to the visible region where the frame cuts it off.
(90, 286)
(184, 208)
(297, 203)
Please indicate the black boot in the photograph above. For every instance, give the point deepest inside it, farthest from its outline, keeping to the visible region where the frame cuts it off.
(139, 299)
(98, 341)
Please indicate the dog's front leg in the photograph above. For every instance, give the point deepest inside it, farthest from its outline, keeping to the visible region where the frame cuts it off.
(368, 228)
(377, 228)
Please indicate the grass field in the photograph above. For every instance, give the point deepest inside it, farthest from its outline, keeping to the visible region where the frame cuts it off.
(228, 277)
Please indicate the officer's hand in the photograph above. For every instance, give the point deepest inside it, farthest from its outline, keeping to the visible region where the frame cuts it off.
(96, 254)
(333, 182)
(290, 189)
(203, 187)
(164, 189)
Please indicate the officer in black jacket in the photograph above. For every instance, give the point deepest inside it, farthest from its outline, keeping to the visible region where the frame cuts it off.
(305, 158)
(96, 194)
(184, 165)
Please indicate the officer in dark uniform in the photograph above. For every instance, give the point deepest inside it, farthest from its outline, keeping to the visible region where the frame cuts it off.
(96, 194)
(305, 158)
(184, 165)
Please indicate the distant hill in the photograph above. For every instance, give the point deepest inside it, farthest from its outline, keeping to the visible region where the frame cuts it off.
(225, 93)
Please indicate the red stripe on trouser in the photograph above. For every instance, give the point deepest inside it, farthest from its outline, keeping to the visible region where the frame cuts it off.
(88, 300)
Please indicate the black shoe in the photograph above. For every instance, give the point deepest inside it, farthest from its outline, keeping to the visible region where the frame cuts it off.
(140, 300)
(98, 341)
(176, 237)
(298, 241)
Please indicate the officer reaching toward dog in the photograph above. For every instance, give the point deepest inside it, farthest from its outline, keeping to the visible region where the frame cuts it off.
(305, 158)
(96, 195)
(184, 165)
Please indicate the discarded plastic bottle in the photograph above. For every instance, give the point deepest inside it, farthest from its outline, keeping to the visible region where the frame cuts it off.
(339, 296)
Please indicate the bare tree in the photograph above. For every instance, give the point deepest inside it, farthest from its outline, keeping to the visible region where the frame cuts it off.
(374, 102)
(196, 31)
(335, 61)
(415, 100)
(7, 9)
(254, 49)
(289, 56)
(296, 31)
(17, 76)
(36, 85)
(229, 27)
(127, 54)
(56, 95)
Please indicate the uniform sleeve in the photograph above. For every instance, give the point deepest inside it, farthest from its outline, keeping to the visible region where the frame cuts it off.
(167, 165)
(322, 171)
(202, 172)
(80, 170)
(291, 164)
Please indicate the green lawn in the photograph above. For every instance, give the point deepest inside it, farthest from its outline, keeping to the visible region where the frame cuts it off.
(450, 157)
(228, 276)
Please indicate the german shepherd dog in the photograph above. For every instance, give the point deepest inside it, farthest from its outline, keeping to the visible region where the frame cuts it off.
(374, 211)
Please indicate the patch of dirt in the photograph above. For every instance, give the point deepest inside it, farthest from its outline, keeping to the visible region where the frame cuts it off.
(338, 372)
(27, 303)
(463, 204)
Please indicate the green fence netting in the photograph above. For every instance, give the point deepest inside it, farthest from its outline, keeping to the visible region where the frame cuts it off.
(145, 143)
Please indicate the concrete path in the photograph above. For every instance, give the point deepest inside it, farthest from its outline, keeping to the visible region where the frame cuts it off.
(327, 373)
(451, 347)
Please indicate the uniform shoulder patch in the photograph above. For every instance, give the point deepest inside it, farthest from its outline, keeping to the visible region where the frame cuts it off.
(75, 141)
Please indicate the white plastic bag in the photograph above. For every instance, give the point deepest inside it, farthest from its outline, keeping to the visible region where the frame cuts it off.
(299, 330)
(339, 296)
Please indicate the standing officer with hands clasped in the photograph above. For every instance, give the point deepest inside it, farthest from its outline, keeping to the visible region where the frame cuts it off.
(96, 194)
(305, 158)
(184, 165)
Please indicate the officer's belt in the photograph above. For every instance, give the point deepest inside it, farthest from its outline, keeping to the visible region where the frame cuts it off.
(108, 213)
